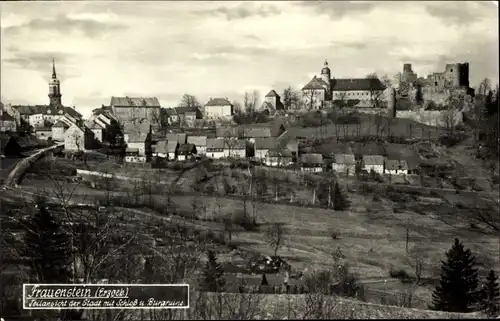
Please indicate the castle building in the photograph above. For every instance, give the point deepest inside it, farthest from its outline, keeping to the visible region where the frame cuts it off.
(324, 91)
(438, 86)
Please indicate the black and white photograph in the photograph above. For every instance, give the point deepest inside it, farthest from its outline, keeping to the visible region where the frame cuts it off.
(249, 160)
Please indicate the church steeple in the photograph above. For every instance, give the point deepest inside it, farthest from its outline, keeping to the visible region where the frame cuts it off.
(54, 88)
(54, 76)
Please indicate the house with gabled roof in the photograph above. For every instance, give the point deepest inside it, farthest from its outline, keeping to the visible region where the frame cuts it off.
(133, 155)
(215, 148)
(186, 151)
(262, 146)
(272, 103)
(43, 133)
(200, 142)
(395, 167)
(95, 128)
(235, 148)
(160, 149)
(181, 138)
(311, 162)
(7, 122)
(344, 164)
(58, 130)
(127, 109)
(278, 158)
(138, 135)
(373, 163)
(78, 138)
(188, 115)
(218, 108)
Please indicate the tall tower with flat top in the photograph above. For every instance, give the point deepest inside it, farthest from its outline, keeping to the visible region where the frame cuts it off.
(54, 88)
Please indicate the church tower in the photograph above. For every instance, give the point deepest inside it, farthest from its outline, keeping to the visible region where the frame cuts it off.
(54, 89)
(325, 73)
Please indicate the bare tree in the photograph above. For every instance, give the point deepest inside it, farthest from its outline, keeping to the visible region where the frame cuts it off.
(250, 102)
(275, 234)
(309, 97)
(403, 86)
(291, 98)
(190, 101)
(376, 89)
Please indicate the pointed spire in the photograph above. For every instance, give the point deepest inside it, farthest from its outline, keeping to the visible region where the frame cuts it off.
(53, 69)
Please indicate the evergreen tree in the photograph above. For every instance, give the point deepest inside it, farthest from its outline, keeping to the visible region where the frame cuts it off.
(490, 295)
(457, 290)
(264, 280)
(340, 201)
(213, 275)
(47, 247)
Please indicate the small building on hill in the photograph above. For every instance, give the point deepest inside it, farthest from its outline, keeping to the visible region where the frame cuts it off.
(218, 108)
(236, 148)
(78, 138)
(278, 158)
(160, 149)
(344, 164)
(311, 162)
(186, 151)
(396, 167)
(43, 133)
(200, 142)
(58, 131)
(263, 145)
(7, 122)
(373, 163)
(215, 148)
(132, 155)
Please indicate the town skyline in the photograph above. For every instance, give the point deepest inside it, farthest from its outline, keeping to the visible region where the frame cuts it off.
(222, 49)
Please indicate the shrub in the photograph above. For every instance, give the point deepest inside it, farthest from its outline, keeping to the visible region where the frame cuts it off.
(399, 274)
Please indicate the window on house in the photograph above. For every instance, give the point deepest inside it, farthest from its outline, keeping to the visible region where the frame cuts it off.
(451, 70)
(435, 83)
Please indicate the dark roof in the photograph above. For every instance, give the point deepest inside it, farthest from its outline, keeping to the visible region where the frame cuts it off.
(265, 143)
(373, 160)
(347, 159)
(357, 84)
(393, 164)
(272, 93)
(218, 102)
(185, 149)
(279, 153)
(312, 159)
(160, 147)
(72, 112)
(235, 144)
(30, 109)
(5, 117)
(316, 83)
(171, 111)
(256, 132)
(229, 131)
(134, 102)
(215, 143)
(197, 140)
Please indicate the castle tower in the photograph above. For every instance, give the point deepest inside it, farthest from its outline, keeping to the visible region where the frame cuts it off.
(54, 89)
(326, 74)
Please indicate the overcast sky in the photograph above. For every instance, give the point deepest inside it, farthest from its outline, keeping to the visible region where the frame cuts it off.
(211, 49)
